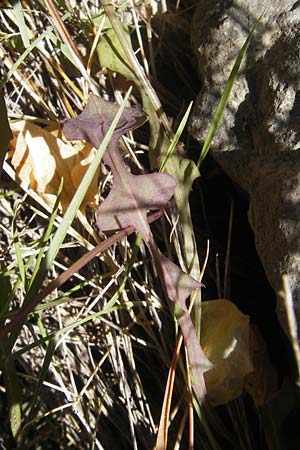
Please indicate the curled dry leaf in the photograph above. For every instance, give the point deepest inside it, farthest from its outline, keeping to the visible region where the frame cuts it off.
(225, 341)
(41, 158)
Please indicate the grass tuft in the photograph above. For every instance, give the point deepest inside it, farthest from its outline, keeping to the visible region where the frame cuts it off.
(88, 343)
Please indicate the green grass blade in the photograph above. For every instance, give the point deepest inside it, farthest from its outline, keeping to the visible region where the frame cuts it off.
(46, 236)
(19, 258)
(29, 48)
(176, 138)
(13, 394)
(44, 370)
(19, 16)
(5, 292)
(225, 96)
(23, 57)
(63, 48)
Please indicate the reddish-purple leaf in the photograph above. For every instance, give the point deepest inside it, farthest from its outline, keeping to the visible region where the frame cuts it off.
(93, 123)
(178, 286)
(130, 198)
(131, 195)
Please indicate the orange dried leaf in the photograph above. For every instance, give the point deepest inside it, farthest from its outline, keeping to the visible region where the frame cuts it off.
(41, 158)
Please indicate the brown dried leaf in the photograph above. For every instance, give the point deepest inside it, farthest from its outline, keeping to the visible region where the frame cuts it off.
(262, 383)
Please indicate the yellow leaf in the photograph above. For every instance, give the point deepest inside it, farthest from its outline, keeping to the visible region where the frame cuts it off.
(225, 341)
(41, 158)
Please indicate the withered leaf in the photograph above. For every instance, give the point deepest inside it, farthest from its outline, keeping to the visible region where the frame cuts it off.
(41, 158)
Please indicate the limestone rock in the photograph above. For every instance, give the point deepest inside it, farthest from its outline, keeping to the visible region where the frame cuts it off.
(258, 141)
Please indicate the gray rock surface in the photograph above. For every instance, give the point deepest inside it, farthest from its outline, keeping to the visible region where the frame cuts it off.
(258, 141)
